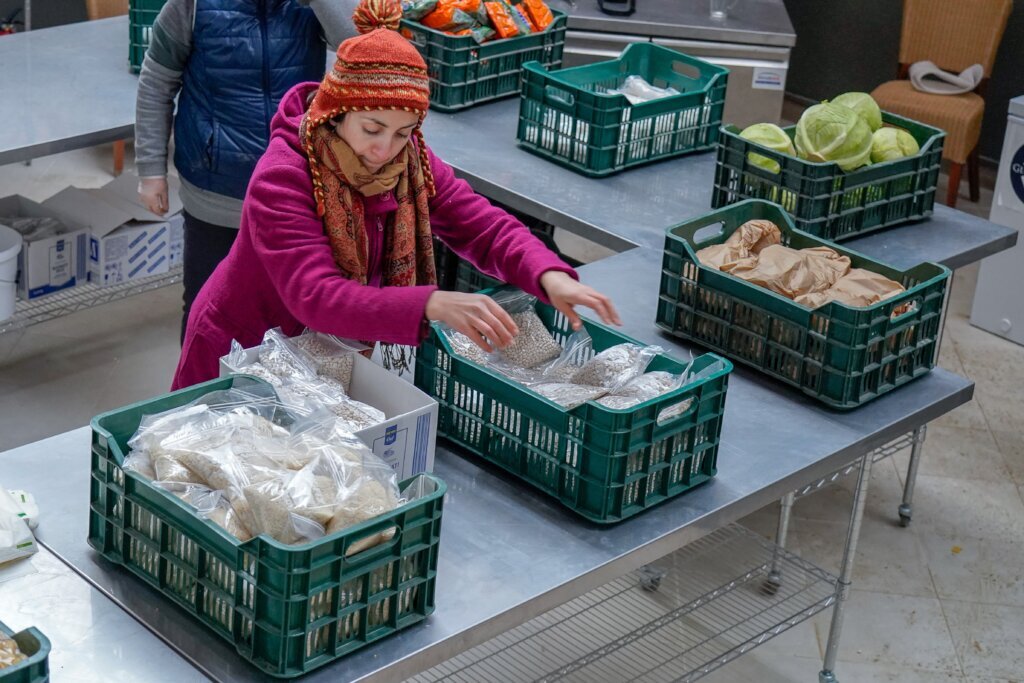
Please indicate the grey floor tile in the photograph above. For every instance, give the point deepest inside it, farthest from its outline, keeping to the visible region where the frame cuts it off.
(894, 630)
(959, 453)
(863, 672)
(989, 638)
(833, 503)
(964, 508)
(971, 569)
(1011, 445)
(767, 664)
(890, 558)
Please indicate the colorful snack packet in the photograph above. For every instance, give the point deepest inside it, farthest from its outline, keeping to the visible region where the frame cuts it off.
(501, 19)
(538, 12)
(448, 17)
(417, 9)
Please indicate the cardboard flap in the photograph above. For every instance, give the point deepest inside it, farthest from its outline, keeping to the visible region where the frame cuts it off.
(80, 208)
(123, 192)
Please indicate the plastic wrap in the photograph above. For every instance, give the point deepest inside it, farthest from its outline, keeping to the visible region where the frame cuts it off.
(615, 366)
(254, 465)
(534, 344)
(637, 90)
(34, 228)
(141, 463)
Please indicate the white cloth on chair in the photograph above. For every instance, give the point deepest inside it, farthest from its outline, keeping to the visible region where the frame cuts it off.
(927, 77)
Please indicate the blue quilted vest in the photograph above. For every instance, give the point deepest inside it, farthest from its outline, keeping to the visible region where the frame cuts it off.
(246, 54)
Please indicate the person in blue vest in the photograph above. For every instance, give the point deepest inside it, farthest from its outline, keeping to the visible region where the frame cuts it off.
(229, 63)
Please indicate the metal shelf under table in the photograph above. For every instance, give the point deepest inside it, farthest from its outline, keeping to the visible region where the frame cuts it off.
(694, 611)
(81, 297)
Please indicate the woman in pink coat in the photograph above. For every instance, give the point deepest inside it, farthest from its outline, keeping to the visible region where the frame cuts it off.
(337, 224)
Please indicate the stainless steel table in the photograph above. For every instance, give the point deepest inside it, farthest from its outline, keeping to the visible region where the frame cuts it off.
(508, 553)
(64, 88)
(88, 632)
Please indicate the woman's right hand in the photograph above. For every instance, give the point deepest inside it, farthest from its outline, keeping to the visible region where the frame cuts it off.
(153, 194)
(474, 315)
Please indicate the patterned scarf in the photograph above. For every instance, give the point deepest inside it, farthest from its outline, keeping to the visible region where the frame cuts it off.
(408, 257)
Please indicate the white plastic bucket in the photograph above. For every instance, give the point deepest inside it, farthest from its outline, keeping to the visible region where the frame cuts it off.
(10, 247)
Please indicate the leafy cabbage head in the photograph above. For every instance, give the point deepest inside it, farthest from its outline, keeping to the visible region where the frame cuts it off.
(772, 137)
(864, 105)
(892, 143)
(833, 132)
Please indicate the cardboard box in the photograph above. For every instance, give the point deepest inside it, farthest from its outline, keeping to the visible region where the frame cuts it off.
(51, 264)
(176, 252)
(127, 241)
(407, 439)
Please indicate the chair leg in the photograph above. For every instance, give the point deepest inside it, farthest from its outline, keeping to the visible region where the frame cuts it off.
(118, 157)
(954, 183)
(972, 175)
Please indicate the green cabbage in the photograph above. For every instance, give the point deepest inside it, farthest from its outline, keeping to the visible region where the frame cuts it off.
(772, 137)
(833, 132)
(892, 143)
(864, 105)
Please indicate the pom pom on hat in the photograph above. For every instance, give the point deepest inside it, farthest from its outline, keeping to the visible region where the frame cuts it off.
(371, 15)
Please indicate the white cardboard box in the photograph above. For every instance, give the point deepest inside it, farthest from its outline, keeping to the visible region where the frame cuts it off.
(407, 439)
(127, 241)
(53, 263)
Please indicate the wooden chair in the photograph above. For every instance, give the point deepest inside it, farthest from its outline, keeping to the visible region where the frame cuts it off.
(954, 34)
(102, 9)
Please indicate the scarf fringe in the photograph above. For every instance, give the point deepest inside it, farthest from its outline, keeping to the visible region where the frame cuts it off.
(397, 358)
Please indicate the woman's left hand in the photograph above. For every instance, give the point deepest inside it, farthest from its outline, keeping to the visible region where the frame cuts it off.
(565, 293)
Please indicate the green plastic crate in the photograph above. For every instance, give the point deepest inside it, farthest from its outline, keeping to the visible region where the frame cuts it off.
(603, 464)
(822, 199)
(141, 15)
(464, 73)
(840, 355)
(36, 647)
(287, 609)
(567, 116)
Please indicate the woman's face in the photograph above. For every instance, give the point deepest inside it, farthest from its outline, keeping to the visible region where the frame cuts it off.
(377, 136)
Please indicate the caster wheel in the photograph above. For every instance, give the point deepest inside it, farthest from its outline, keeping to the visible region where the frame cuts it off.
(905, 515)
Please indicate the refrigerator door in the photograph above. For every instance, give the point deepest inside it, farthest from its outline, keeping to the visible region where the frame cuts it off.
(998, 306)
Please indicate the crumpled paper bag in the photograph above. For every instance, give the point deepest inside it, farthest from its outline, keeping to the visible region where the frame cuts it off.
(858, 288)
(747, 240)
(791, 272)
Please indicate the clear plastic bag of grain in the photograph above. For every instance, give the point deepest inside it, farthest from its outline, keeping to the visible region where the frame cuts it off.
(463, 345)
(332, 356)
(211, 505)
(534, 344)
(615, 366)
(238, 362)
(10, 653)
(568, 395)
(278, 355)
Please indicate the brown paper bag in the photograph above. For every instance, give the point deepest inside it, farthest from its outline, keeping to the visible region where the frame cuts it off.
(747, 240)
(859, 288)
(790, 272)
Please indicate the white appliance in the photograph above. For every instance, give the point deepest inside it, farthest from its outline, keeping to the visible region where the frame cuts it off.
(998, 304)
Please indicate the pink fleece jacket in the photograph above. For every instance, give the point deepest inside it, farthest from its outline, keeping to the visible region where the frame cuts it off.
(280, 271)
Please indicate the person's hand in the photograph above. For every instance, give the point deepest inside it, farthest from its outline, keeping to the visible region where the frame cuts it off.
(153, 194)
(565, 293)
(474, 315)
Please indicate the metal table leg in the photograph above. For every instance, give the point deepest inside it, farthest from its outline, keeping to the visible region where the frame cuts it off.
(908, 487)
(774, 580)
(827, 674)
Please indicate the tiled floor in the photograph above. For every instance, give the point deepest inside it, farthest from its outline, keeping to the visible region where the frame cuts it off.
(942, 600)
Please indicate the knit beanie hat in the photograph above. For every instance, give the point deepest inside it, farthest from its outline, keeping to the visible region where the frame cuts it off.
(378, 69)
